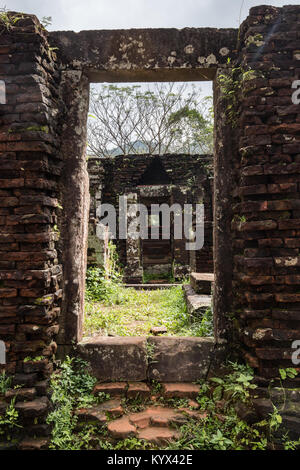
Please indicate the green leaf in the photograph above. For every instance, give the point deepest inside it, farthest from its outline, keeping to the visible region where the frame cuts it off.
(282, 373)
(217, 393)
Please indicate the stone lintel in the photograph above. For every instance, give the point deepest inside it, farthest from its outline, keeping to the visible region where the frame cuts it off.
(141, 55)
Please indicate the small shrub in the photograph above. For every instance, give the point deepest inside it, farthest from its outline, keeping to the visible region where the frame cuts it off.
(99, 288)
(9, 421)
(5, 383)
(130, 312)
(203, 327)
(7, 21)
(222, 429)
(102, 283)
(71, 387)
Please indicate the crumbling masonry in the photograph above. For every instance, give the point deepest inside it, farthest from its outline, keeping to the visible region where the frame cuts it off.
(154, 179)
(44, 198)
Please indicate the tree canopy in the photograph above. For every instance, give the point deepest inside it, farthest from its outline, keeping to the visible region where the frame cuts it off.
(168, 118)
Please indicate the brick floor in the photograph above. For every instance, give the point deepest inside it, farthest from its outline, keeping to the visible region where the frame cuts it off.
(156, 423)
(157, 435)
(121, 428)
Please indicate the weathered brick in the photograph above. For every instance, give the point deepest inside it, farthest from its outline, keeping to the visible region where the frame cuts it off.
(289, 224)
(33, 409)
(180, 390)
(258, 225)
(138, 389)
(6, 293)
(12, 183)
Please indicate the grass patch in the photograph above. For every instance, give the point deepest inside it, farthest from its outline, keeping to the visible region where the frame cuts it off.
(130, 312)
(112, 309)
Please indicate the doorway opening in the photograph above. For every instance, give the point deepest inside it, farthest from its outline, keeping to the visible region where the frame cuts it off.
(150, 285)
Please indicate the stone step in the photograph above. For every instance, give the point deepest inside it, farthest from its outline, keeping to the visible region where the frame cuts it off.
(34, 444)
(21, 394)
(136, 359)
(33, 409)
(202, 283)
(138, 389)
(155, 424)
(129, 390)
(134, 390)
(197, 304)
(158, 436)
(111, 388)
(121, 428)
(180, 390)
(98, 414)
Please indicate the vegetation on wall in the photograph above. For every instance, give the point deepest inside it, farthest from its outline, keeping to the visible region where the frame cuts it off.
(9, 417)
(71, 388)
(7, 21)
(231, 83)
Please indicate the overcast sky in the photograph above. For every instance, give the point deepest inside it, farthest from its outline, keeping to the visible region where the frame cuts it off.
(114, 14)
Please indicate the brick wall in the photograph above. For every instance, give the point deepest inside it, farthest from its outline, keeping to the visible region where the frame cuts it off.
(43, 199)
(30, 273)
(123, 173)
(266, 219)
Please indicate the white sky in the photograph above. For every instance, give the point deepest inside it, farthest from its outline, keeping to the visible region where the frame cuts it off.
(124, 14)
(114, 14)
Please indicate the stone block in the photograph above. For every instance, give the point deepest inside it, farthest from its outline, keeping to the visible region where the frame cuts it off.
(158, 435)
(92, 416)
(179, 359)
(138, 389)
(180, 390)
(202, 283)
(121, 428)
(116, 358)
(21, 394)
(34, 444)
(197, 304)
(111, 388)
(34, 408)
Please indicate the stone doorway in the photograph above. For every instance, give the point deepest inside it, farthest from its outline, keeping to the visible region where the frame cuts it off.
(44, 194)
(170, 247)
(154, 179)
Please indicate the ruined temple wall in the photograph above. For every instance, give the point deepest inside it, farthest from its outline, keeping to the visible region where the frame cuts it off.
(121, 174)
(266, 214)
(30, 169)
(43, 186)
(201, 261)
(97, 175)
